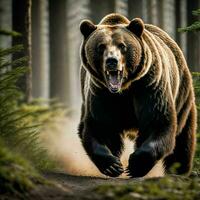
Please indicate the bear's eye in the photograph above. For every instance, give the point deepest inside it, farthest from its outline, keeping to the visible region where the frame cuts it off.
(122, 46)
(101, 48)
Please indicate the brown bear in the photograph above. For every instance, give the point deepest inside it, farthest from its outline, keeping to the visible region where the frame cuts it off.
(134, 77)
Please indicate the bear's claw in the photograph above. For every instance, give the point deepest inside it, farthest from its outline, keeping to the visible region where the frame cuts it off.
(128, 173)
(114, 171)
(110, 166)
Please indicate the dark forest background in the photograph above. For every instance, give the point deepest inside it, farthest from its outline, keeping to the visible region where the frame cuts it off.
(50, 33)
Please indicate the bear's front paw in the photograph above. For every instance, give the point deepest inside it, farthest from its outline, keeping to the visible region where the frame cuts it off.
(140, 163)
(109, 165)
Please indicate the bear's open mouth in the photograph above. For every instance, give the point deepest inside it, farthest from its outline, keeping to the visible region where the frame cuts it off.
(114, 80)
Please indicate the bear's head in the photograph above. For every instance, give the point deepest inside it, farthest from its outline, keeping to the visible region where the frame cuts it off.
(111, 51)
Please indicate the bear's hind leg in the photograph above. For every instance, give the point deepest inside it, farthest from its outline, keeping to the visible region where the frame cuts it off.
(185, 147)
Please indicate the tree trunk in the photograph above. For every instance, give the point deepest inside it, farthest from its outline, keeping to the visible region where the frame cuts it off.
(152, 14)
(193, 38)
(59, 74)
(99, 9)
(181, 21)
(40, 49)
(77, 11)
(168, 16)
(22, 23)
(121, 7)
(160, 14)
(137, 9)
(5, 22)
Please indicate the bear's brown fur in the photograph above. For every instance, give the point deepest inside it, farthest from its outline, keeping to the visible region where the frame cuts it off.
(134, 76)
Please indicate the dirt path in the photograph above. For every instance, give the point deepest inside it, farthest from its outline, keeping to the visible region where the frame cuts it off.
(82, 183)
(72, 187)
(67, 187)
(78, 183)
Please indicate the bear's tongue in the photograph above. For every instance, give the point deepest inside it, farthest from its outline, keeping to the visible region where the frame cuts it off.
(114, 80)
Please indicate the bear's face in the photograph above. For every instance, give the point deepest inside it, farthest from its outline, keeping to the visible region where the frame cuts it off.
(112, 52)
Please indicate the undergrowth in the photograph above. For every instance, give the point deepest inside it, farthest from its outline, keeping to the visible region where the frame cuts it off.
(19, 126)
(196, 82)
(17, 176)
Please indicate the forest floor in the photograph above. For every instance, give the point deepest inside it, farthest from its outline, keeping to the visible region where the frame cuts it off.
(72, 187)
(69, 187)
(88, 185)
(62, 186)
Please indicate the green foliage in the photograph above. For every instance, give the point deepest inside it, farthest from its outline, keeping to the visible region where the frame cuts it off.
(196, 12)
(196, 82)
(39, 114)
(10, 33)
(193, 27)
(21, 125)
(16, 174)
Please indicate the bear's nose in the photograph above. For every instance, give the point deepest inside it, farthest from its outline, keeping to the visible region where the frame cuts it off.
(111, 63)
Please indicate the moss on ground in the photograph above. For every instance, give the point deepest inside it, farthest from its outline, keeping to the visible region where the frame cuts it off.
(17, 177)
(167, 188)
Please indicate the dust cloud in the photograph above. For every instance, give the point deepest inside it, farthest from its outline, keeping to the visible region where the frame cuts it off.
(62, 142)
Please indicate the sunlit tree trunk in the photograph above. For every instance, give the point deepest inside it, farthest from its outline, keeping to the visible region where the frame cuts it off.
(77, 11)
(193, 38)
(59, 74)
(169, 17)
(22, 23)
(40, 49)
(166, 16)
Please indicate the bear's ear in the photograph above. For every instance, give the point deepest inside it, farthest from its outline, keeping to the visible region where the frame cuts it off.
(136, 26)
(87, 27)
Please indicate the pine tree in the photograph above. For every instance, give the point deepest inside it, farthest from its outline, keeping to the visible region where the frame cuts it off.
(195, 26)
